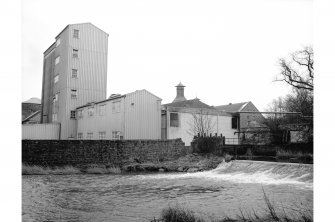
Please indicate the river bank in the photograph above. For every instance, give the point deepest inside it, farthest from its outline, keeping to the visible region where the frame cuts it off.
(188, 163)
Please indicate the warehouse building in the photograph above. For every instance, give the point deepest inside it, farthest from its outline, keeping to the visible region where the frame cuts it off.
(135, 115)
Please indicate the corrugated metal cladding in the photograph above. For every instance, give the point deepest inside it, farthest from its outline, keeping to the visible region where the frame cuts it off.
(40, 131)
(139, 117)
(91, 81)
(91, 66)
(142, 116)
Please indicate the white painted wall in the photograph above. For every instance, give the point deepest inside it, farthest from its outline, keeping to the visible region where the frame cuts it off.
(221, 124)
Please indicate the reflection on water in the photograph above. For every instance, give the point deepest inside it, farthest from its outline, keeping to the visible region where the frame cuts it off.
(220, 192)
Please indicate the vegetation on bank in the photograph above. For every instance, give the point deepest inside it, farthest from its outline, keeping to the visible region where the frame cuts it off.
(180, 214)
(67, 170)
(189, 163)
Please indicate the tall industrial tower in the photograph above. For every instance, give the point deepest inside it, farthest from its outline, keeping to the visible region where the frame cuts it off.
(74, 74)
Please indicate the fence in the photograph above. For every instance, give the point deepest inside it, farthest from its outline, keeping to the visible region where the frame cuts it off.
(40, 131)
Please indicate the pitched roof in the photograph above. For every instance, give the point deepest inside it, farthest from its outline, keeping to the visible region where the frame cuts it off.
(235, 107)
(117, 96)
(33, 100)
(191, 103)
(31, 116)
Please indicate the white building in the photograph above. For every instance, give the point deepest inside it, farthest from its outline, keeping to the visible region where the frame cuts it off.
(135, 115)
(182, 119)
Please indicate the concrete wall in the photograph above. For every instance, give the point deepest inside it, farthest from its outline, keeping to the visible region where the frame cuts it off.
(40, 131)
(117, 152)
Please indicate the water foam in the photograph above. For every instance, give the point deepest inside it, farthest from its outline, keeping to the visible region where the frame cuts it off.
(267, 173)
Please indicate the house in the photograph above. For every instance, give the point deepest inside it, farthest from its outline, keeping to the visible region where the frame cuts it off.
(248, 122)
(245, 114)
(30, 107)
(135, 115)
(74, 74)
(186, 118)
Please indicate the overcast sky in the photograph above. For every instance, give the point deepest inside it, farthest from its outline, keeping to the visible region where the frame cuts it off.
(222, 51)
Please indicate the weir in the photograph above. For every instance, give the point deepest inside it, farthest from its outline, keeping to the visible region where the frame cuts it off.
(244, 171)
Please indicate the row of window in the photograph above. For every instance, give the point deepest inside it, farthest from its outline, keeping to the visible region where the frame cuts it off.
(116, 107)
(90, 111)
(116, 135)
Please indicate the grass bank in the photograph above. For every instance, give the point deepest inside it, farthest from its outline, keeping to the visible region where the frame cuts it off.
(68, 170)
(181, 214)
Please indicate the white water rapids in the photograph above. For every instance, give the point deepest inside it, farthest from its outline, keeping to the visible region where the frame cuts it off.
(244, 171)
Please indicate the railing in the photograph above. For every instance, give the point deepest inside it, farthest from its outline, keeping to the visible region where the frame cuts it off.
(232, 141)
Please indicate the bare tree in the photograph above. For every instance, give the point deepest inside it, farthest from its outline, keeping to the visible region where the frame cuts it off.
(201, 123)
(299, 70)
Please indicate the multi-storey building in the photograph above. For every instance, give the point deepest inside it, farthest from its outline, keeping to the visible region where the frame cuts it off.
(74, 74)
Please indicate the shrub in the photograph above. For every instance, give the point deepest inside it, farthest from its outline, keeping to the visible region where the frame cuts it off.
(178, 214)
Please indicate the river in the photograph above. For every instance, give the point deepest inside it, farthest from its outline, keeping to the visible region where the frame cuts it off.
(224, 191)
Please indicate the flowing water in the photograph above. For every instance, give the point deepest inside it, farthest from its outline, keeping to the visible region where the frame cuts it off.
(224, 191)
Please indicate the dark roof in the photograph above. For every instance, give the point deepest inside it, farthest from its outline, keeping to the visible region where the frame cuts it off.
(180, 85)
(235, 107)
(192, 103)
(31, 116)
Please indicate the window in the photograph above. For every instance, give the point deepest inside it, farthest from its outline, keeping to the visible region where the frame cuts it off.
(102, 135)
(54, 100)
(90, 135)
(91, 111)
(102, 110)
(76, 33)
(80, 136)
(54, 117)
(56, 79)
(74, 73)
(234, 122)
(116, 107)
(115, 135)
(174, 119)
(57, 60)
(73, 114)
(80, 113)
(73, 94)
(75, 53)
(57, 42)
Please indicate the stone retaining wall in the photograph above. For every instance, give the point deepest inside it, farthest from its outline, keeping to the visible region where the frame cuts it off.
(107, 152)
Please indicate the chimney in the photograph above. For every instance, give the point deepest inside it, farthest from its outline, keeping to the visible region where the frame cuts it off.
(180, 93)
